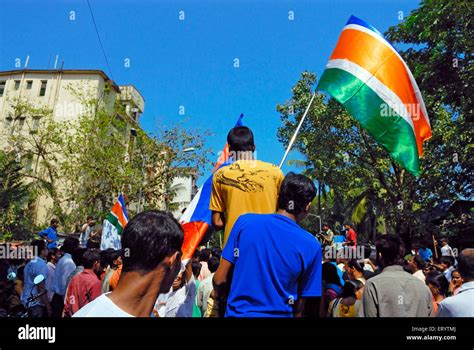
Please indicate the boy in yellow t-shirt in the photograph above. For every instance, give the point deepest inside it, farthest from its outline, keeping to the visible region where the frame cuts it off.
(246, 186)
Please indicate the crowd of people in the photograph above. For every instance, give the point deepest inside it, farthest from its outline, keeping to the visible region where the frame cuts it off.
(269, 265)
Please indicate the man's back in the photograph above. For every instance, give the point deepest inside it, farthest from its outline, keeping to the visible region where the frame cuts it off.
(396, 293)
(246, 186)
(64, 268)
(459, 305)
(84, 288)
(275, 261)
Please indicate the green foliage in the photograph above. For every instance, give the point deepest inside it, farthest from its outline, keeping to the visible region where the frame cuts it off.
(15, 196)
(368, 185)
(83, 163)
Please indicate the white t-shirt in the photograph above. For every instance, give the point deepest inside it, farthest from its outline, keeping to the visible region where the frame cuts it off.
(103, 306)
(446, 251)
(180, 303)
(420, 275)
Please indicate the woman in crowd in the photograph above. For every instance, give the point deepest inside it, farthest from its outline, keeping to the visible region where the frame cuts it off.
(439, 286)
(332, 287)
(456, 282)
(349, 302)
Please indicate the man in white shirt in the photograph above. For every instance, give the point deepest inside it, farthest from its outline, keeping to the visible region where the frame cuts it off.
(417, 264)
(446, 250)
(151, 254)
(180, 301)
(86, 231)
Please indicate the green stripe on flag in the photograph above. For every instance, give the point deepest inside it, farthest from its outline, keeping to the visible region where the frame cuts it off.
(114, 221)
(384, 124)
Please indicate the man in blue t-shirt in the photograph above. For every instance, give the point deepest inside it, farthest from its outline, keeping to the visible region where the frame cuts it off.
(51, 234)
(425, 252)
(272, 265)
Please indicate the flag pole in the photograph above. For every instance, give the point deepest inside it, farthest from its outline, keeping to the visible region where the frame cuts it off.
(292, 141)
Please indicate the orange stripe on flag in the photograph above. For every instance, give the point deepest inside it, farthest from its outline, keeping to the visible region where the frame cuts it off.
(378, 59)
(117, 211)
(193, 234)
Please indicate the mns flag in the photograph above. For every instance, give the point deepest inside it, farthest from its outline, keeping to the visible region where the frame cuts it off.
(113, 225)
(368, 76)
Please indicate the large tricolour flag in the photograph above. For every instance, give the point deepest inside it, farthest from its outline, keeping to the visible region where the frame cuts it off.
(197, 218)
(368, 76)
(113, 225)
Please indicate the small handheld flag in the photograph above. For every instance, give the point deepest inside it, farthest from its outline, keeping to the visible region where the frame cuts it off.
(113, 225)
(368, 76)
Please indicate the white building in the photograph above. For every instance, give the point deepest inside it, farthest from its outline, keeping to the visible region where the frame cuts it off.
(184, 188)
(55, 90)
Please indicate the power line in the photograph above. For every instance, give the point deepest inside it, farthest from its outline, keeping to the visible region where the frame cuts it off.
(100, 41)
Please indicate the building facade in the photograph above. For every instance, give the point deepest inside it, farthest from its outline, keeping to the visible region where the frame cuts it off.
(59, 92)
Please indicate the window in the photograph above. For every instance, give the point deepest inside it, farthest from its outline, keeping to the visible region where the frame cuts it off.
(8, 122)
(29, 84)
(17, 84)
(35, 125)
(21, 123)
(2, 87)
(43, 87)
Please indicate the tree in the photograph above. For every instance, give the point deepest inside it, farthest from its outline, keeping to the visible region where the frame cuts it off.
(15, 198)
(36, 139)
(82, 164)
(107, 154)
(347, 161)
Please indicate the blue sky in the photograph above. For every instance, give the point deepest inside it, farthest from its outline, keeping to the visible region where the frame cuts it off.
(190, 63)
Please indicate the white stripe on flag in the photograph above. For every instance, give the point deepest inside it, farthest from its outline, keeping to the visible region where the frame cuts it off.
(187, 215)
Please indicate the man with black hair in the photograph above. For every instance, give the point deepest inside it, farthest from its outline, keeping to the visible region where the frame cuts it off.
(425, 252)
(461, 304)
(50, 234)
(85, 286)
(77, 258)
(216, 252)
(180, 302)
(38, 266)
(205, 287)
(246, 186)
(270, 262)
(394, 292)
(417, 265)
(86, 231)
(111, 259)
(446, 266)
(327, 236)
(63, 270)
(53, 257)
(151, 254)
(351, 236)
